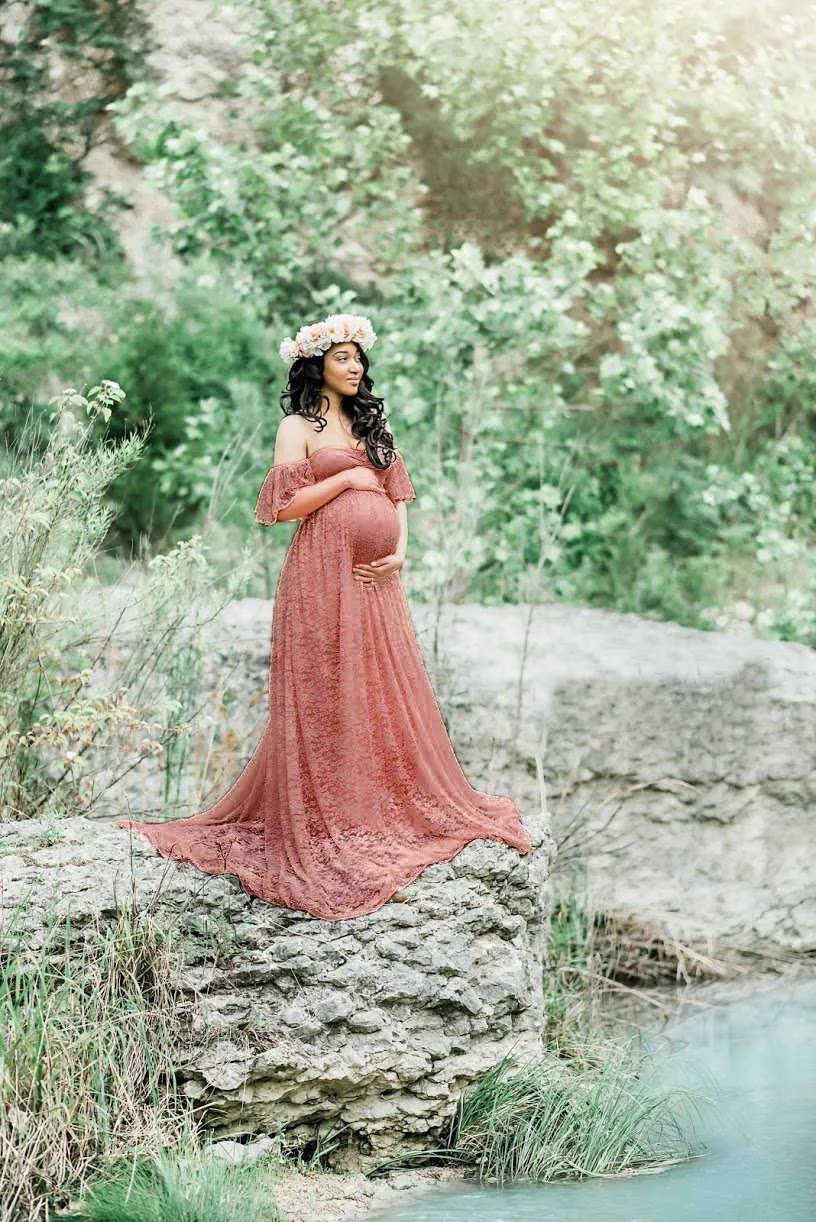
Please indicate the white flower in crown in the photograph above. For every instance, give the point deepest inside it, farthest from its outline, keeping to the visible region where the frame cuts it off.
(338, 328)
(318, 337)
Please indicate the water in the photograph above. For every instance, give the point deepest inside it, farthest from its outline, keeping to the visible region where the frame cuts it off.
(759, 1055)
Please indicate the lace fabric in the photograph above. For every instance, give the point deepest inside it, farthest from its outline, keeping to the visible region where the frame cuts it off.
(279, 488)
(354, 788)
(397, 482)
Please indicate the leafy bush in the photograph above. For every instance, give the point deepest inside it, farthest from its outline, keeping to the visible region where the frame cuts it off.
(83, 700)
(199, 366)
(592, 289)
(48, 129)
(55, 317)
(587, 283)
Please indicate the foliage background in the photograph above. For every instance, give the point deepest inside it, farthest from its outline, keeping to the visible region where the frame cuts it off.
(584, 233)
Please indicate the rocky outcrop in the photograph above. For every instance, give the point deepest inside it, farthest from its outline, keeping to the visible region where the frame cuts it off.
(374, 1023)
(678, 767)
(679, 772)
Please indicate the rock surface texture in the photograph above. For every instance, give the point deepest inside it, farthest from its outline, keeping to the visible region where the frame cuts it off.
(680, 765)
(374, 1023)
(678, 770)
(677, 767)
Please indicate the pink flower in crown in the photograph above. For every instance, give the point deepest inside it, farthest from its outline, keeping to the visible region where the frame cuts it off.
(310, 340)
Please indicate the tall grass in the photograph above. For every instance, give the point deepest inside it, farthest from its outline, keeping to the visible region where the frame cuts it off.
(188, 1188)
(602, 1113)
(88, 1023)
(572, 993)
(547, 1120)
(588, 1104)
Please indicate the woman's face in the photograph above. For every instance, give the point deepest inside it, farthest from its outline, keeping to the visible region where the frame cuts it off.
(343, 368)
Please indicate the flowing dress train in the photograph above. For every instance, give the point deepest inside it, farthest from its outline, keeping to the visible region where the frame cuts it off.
(354, 788)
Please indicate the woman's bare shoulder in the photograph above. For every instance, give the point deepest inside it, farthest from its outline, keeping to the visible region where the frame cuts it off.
(291, 439)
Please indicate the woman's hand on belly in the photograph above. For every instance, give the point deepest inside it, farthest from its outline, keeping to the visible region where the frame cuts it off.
(378, 570)
(363, 479)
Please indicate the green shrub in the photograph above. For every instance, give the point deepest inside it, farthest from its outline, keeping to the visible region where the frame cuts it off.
(46, 132)
(55, 320)
(588, 302)
(595, 335)
(200, 368)
(86, 692)
(201, 371)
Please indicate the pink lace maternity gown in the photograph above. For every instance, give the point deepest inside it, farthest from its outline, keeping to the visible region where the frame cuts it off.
(354, 787)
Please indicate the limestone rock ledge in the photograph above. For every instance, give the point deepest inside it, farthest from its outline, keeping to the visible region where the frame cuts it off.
(375, 1023)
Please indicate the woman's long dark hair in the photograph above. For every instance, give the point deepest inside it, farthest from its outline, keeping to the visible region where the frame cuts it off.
(303, 394)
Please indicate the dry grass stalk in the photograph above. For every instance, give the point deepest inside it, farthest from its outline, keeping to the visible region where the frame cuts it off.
(87, 1023)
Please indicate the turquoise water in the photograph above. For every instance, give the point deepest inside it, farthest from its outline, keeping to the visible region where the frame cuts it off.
(760, 1137)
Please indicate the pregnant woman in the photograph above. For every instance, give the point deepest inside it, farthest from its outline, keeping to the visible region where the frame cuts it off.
(354, 787)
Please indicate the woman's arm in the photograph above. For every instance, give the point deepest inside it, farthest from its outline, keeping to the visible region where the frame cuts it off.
(399, 487)
(306, 500)
(402, 544)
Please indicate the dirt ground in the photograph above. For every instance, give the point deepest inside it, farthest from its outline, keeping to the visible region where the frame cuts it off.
(331, 1197)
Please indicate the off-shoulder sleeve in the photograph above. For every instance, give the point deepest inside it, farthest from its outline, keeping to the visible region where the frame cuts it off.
(279, 488)
(397, 482)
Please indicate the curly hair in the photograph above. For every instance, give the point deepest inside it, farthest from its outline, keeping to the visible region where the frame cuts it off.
(304, 392)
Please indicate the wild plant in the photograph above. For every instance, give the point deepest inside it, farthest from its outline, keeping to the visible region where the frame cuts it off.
(93, 681)
(182, 1186)
(90, 1023)
(545, 1119)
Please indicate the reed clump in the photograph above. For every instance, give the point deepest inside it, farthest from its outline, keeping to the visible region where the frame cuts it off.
(635, 952)
(592, 953)
(588, 1104)
(552, 1117)
(548, 1119)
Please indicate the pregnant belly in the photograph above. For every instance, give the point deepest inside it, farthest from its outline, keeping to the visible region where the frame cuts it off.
(371, 521)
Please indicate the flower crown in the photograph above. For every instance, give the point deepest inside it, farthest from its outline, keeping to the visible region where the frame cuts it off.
(318, 337)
